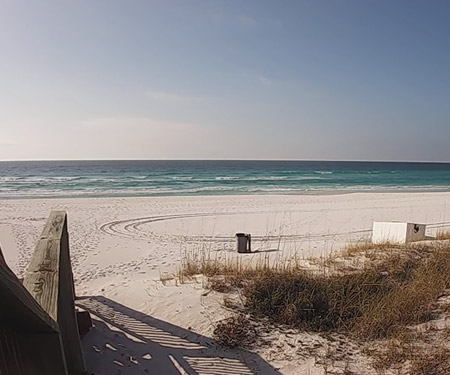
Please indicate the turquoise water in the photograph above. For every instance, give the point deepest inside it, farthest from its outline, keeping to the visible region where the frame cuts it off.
(165, 178)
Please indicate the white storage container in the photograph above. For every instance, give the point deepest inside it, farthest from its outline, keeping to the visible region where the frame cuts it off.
(397, 232)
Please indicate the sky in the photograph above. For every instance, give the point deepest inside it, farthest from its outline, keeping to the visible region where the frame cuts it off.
(230, 79)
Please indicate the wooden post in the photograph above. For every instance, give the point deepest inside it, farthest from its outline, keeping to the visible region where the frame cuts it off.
(30, 341)
(18, 306)
(67, 318)
(42, 353)
(49, 280)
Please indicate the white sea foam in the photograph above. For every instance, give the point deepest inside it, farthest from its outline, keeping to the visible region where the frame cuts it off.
(182, 178)
(227, 178)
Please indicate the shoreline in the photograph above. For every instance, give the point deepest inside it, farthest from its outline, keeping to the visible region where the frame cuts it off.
(237, 195)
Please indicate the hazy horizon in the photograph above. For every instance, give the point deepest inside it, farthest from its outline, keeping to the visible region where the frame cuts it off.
(225, 80)
(237, 160)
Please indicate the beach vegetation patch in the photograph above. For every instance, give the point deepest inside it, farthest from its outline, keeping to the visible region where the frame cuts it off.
(356, 248)
(443, 234)
(374, 302)
(431, 362)
(236, 331)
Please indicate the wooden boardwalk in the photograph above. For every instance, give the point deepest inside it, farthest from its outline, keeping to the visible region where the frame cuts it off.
(38, 324)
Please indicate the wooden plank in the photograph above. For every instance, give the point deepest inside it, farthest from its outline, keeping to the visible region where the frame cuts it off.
(67, 319)
(42, 353)
(55, 225)
(11, 361)
(30, 340)
(21, 308)
(42, 277)
(49, 280)
(8, 365)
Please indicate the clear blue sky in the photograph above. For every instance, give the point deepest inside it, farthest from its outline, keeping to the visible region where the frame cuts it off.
(100, 79)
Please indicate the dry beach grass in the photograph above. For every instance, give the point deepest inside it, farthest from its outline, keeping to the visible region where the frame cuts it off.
(396, 288)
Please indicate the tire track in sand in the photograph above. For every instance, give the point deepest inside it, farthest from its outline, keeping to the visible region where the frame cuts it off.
(132, 229)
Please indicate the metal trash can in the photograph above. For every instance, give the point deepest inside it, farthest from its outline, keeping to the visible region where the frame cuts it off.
(243, 243)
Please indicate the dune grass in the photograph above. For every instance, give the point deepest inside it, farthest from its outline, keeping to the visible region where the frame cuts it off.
(365, 246)
(374, 302)
(235, 331)
(434, 362)
(443, 234)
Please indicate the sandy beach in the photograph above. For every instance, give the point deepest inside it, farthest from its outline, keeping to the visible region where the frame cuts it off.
(145, 146)
(121, 248)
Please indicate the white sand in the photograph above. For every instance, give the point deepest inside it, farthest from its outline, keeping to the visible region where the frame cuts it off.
(121, 246)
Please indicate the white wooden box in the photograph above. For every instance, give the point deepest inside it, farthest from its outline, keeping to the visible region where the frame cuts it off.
(397, 232)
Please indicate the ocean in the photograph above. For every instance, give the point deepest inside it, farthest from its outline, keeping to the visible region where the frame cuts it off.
(37, 179)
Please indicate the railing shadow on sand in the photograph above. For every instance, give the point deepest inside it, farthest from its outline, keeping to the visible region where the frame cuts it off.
(129, 342)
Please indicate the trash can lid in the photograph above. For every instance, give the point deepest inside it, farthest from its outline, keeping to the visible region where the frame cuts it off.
(240, 234)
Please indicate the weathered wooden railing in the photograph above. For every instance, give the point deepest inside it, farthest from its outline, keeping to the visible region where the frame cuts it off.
(38, 325)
